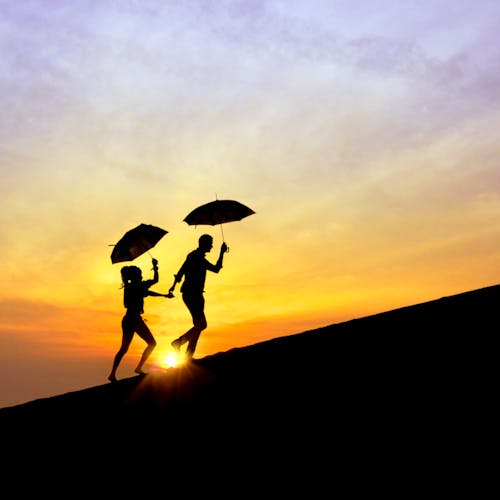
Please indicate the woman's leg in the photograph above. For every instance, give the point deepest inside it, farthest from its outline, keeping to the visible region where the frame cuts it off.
(145, 333)
(127, 335)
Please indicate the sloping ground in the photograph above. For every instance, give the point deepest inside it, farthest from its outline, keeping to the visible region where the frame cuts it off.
(394, 385)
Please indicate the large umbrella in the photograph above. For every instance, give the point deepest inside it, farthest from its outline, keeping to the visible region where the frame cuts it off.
(135, 242)
(218, 212)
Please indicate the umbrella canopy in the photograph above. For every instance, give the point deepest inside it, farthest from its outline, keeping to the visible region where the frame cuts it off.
(135, 242)
(218, 212)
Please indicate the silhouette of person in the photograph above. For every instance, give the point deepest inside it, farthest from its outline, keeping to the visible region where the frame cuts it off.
(194, 271)
(134, 291)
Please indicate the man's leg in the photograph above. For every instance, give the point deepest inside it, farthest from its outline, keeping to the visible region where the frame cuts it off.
(194, 335)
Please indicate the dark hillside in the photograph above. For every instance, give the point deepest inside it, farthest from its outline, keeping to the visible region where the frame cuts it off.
(395, 384)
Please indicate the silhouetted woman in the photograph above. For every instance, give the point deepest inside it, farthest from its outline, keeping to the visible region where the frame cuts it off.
(134, 291)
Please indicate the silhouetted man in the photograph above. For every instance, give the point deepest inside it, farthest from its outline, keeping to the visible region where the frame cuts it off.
(194, 271)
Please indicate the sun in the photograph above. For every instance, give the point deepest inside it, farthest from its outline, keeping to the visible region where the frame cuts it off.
(172, 359)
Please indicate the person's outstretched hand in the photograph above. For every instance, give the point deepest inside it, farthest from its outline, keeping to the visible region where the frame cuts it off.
(224, 248)
(155, 262)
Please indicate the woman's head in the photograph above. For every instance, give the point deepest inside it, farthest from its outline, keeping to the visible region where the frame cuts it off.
(131, 273)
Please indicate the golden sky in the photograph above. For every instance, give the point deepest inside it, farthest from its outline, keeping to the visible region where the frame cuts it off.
(364, 135)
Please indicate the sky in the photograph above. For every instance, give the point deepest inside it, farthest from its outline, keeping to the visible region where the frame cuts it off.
(363, 134)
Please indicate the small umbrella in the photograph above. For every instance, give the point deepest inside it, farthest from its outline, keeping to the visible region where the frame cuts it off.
(218, 212)
(136, 241)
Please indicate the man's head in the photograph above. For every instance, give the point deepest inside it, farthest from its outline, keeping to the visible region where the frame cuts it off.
(205, 242)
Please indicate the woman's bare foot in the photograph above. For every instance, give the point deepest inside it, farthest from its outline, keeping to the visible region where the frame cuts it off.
(140, 371)
(112, 378)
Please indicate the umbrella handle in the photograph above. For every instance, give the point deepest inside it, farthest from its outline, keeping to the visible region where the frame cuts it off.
(222, 232)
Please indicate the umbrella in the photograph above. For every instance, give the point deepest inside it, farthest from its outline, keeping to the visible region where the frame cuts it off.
(136, 241)
(218, 212)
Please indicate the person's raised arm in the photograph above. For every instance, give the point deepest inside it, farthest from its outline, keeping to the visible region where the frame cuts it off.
(218, 264)
(156, 275)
